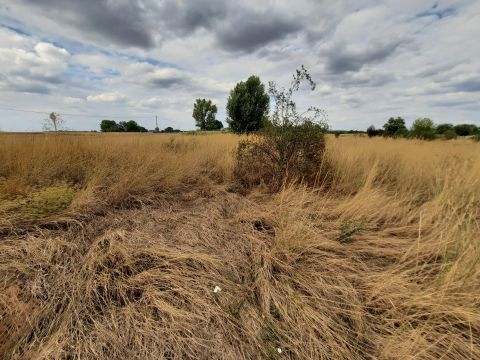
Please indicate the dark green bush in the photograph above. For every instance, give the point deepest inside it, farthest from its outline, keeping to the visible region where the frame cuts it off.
(465, 129)
(442, 128)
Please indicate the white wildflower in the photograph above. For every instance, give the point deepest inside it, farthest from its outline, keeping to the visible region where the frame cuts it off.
(217, 289)
(279, 350)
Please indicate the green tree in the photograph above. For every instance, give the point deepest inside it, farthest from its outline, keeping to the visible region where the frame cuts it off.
(465, 129)
(247, 106)
(214, 125)
(441, 128)
(108, 126)
(122, 126)
(204, 112)
(423, 129)
(395, 127)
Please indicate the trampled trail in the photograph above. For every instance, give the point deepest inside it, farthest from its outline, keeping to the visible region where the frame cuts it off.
(216, 275)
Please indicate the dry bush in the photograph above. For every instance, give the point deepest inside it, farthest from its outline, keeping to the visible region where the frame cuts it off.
(137, 282)
(290, 148)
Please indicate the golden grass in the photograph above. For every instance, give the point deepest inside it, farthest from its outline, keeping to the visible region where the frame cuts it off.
(150, 227)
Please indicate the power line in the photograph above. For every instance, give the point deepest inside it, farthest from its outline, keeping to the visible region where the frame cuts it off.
(3, 107)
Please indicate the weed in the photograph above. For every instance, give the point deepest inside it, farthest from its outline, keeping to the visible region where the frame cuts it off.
(348, 229)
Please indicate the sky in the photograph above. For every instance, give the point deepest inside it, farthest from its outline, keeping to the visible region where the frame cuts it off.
(136, 59)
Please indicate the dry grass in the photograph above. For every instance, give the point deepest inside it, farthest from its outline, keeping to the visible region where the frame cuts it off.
(381, 260)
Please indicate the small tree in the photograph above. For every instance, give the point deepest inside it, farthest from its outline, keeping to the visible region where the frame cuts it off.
(423, 129)
(55, 121)
(204, 112)
(247, 106)
(395, 127)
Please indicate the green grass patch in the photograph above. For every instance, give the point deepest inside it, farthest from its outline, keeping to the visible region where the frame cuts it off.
(38, 204)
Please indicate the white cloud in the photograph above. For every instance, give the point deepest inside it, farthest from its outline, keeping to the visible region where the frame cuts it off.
(72, 100)
(34, 71)
(112, 97)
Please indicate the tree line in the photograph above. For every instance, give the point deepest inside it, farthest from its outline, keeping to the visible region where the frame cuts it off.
(423, 128)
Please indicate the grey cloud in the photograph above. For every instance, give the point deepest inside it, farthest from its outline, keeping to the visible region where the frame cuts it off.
(457, 102)
(468, 85)
(25, 87)
(363, 79)
(139, 23)
(185, 17)
(253, 31)
(165, 82)
(154, 76)
(123, 22)
(341, 59)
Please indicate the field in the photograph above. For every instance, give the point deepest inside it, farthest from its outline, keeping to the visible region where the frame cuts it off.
(122, 246)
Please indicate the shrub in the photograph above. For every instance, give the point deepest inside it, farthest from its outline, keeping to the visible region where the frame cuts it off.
(423, 129)
(450, 134)
(289, 150)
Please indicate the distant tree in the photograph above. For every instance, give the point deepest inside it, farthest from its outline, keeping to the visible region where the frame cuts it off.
(441, 128)
(247, 106)
(170, 129)
(395, 127)
(423, 129)
(214, 125)
(372, 131)
(204, 112)
(108, 126)
(465, 129)
(53, 121)
(122, 126)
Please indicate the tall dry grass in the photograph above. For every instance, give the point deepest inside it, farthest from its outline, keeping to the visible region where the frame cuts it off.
(380, 260)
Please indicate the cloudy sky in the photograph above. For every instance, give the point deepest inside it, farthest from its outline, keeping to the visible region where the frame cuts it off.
(134, 59)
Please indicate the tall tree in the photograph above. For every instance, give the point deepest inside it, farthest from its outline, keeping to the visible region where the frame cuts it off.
(247, 106)
(204, 112)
